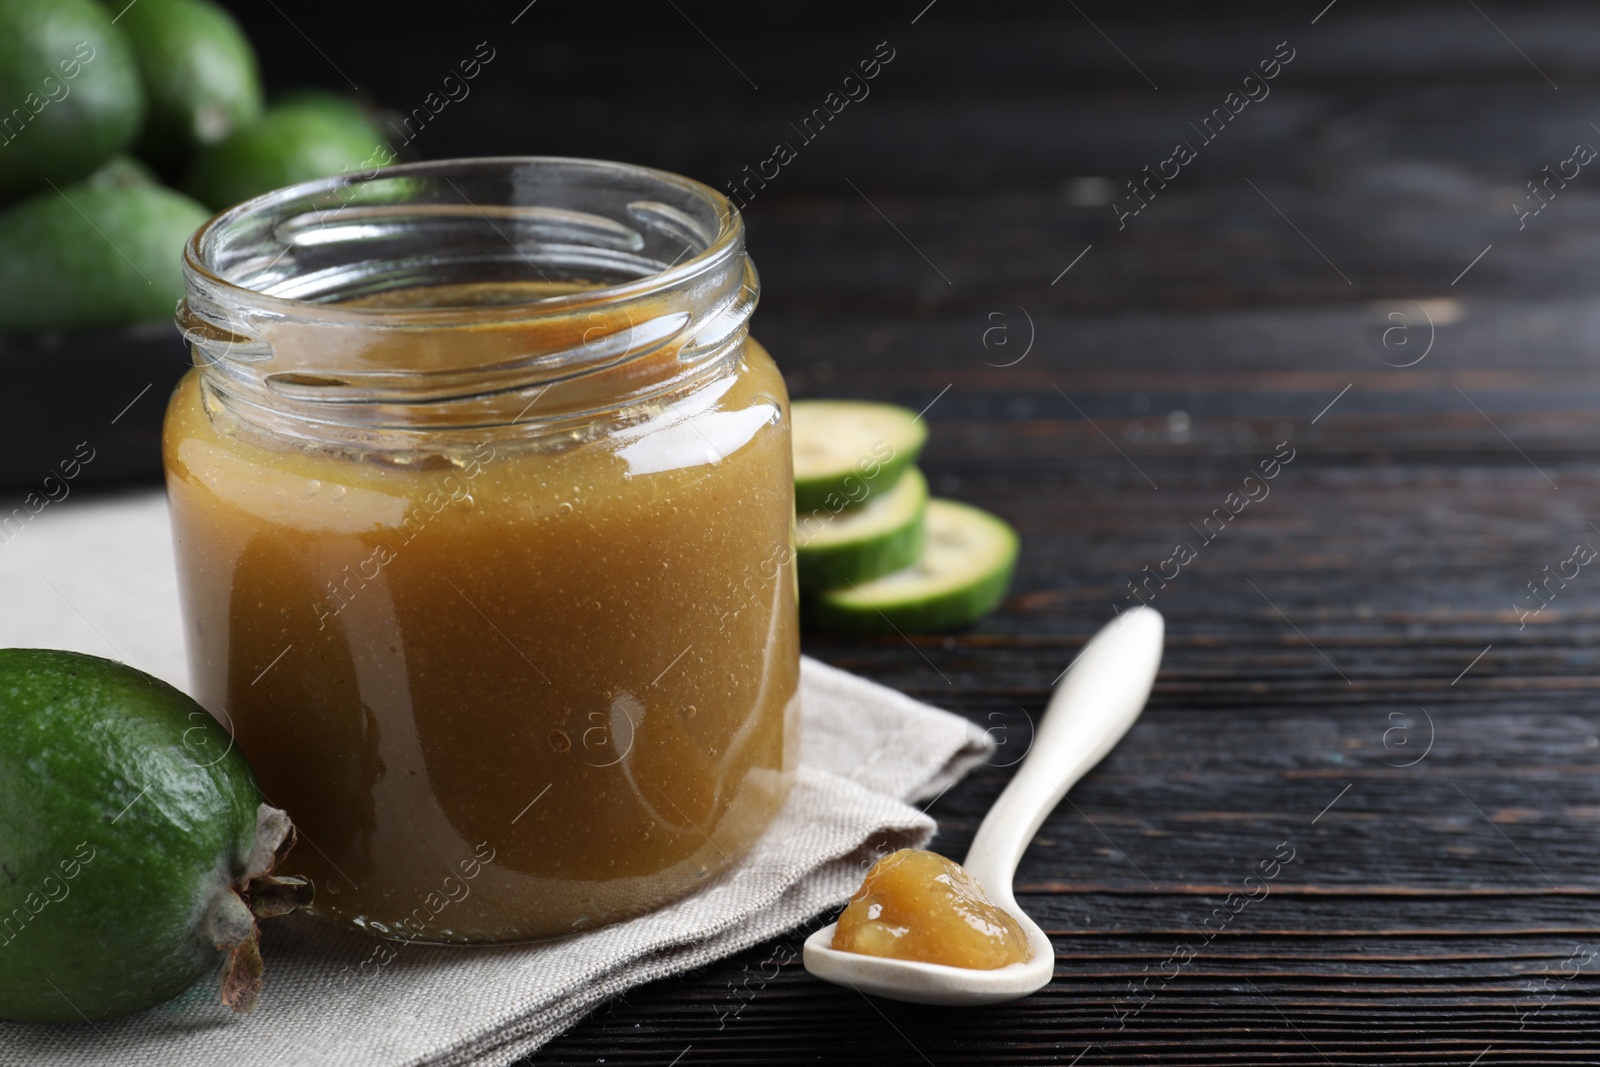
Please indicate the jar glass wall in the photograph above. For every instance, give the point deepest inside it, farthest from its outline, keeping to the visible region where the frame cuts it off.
(483, 509)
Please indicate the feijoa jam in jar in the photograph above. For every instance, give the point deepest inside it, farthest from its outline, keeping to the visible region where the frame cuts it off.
(483, 507)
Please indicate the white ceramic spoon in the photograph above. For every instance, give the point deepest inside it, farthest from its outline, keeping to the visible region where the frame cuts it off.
(1102, 694)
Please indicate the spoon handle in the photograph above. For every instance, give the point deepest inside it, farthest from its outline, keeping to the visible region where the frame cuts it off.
(1102, 694)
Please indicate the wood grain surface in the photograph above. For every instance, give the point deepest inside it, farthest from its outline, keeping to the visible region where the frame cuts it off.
(1316, 688)
(1355, 669)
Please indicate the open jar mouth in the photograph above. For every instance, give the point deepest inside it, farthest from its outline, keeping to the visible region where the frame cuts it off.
(459, 294)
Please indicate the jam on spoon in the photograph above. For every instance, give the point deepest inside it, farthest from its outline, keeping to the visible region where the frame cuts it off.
(917, 905)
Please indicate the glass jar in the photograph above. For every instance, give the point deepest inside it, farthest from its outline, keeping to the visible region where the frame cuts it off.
(483, 505)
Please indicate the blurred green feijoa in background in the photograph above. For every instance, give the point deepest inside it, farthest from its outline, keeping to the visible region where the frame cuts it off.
(335, 105)
(199, 73)
(134, 845)
(310, 135)
(69, 93)
(101, 252)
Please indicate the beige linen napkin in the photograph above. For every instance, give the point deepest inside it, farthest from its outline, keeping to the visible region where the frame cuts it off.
(98, 577)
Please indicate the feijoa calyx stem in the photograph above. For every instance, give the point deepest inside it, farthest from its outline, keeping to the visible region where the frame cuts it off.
(233, 919)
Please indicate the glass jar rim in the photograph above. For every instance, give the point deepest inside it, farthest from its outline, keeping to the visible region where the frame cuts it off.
(277, 311)
(202, 244)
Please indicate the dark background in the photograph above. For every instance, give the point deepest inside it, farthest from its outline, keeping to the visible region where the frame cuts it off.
(1347, 669)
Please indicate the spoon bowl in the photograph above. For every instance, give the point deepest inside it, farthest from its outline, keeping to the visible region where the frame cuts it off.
(1096, 702)
(934, 983)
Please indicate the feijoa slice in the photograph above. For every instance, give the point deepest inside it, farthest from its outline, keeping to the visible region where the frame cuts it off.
(967, 559)
(864, 542)
(134, 844)
(844, 448)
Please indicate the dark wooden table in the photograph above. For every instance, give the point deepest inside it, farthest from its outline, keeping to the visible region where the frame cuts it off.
(1358, 671)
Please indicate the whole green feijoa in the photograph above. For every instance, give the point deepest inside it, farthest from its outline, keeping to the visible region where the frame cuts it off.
(337, 105)
(199, 74)
(69, 92)
(103, 252)
(293, 142)
(134, 846)
(119, 172)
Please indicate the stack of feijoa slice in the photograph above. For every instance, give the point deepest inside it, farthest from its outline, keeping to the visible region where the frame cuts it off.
(874, 551)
